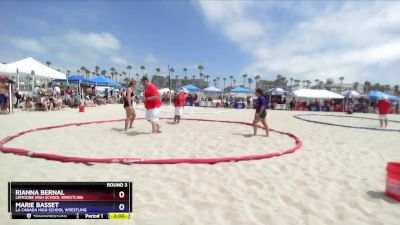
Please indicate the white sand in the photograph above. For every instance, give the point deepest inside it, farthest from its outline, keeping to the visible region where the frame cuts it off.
(338, 177)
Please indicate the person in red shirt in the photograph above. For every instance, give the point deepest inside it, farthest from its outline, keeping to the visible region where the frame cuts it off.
(180, 102)
(152, 103)
(383, 106)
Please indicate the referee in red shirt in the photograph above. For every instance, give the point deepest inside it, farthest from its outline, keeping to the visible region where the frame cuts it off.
(152, 103)
(384, 106)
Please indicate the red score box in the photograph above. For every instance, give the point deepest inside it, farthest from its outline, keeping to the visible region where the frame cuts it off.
(393, 180)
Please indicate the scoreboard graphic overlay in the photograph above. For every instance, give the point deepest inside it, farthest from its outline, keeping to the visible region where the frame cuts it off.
(70, 200)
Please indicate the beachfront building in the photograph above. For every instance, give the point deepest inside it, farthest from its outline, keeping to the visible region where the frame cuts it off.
(265, 84)
(338, 88)
(163, 82)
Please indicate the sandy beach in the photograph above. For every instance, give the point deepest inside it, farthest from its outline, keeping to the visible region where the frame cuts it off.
(338, 177)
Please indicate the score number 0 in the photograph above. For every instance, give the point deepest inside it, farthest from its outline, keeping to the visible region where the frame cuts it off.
(121, 206)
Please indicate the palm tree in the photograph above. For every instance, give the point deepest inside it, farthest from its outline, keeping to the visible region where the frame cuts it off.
(297, 83)
(320, 84)
(341, 83)
(83, 69)
(200, 68)
(68, 72)
(185, 70)
(129, 67)
(291, 83)
(201, 76)
(177, 80)
(308, 82)
(121, 75)
(244, 80)
(48, 63)
(137, 78)
(103, 73)
(316, 83)
(158, 71)
(97, 69)
(234, 82)
(355, 85)
(93, 73)
(113, 70)
(171, 70)
(218, 82)
(215, 82)
(367, 86)
(224, 79)
(78, 71)
(250, 80)
(231, 77)
(194, 77)
(87, 73)
(396, 89)
(142, 68)
(329, 83)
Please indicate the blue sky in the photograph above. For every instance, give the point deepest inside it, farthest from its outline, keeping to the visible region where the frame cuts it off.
(306, 40)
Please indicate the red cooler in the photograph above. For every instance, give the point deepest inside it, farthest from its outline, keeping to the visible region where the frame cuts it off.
(81, 108)
(393, 180)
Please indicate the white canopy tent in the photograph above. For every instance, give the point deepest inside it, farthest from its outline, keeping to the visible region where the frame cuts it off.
(29, 64)
(320, 94)
(276, 91)
(212, 90)
(351, 94)
(165, 90)
(4, 68)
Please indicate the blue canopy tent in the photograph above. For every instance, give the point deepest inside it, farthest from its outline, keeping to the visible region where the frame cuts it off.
(102, 81)
(75, 79)
(375, 95)
(191, 88)
(240, 90)
(212, 90)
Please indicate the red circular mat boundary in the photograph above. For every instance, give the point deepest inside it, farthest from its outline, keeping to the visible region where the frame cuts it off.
(62, 158)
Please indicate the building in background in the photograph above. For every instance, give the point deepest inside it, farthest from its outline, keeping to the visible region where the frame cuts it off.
(265, 85)
(163, 82)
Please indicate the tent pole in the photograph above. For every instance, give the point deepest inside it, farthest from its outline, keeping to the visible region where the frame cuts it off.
(10, 98)
(33, 83)
(344, 104)
(17, 79)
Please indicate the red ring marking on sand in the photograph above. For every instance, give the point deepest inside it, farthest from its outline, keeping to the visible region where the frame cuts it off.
(62, 158)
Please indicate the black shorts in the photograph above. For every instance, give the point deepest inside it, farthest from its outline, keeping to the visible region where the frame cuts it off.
(126, 104)
(263, 114)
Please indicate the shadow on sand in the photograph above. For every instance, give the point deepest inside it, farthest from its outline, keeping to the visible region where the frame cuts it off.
(382, 196)
(135, 133)
(244, 135)
(117, 129)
